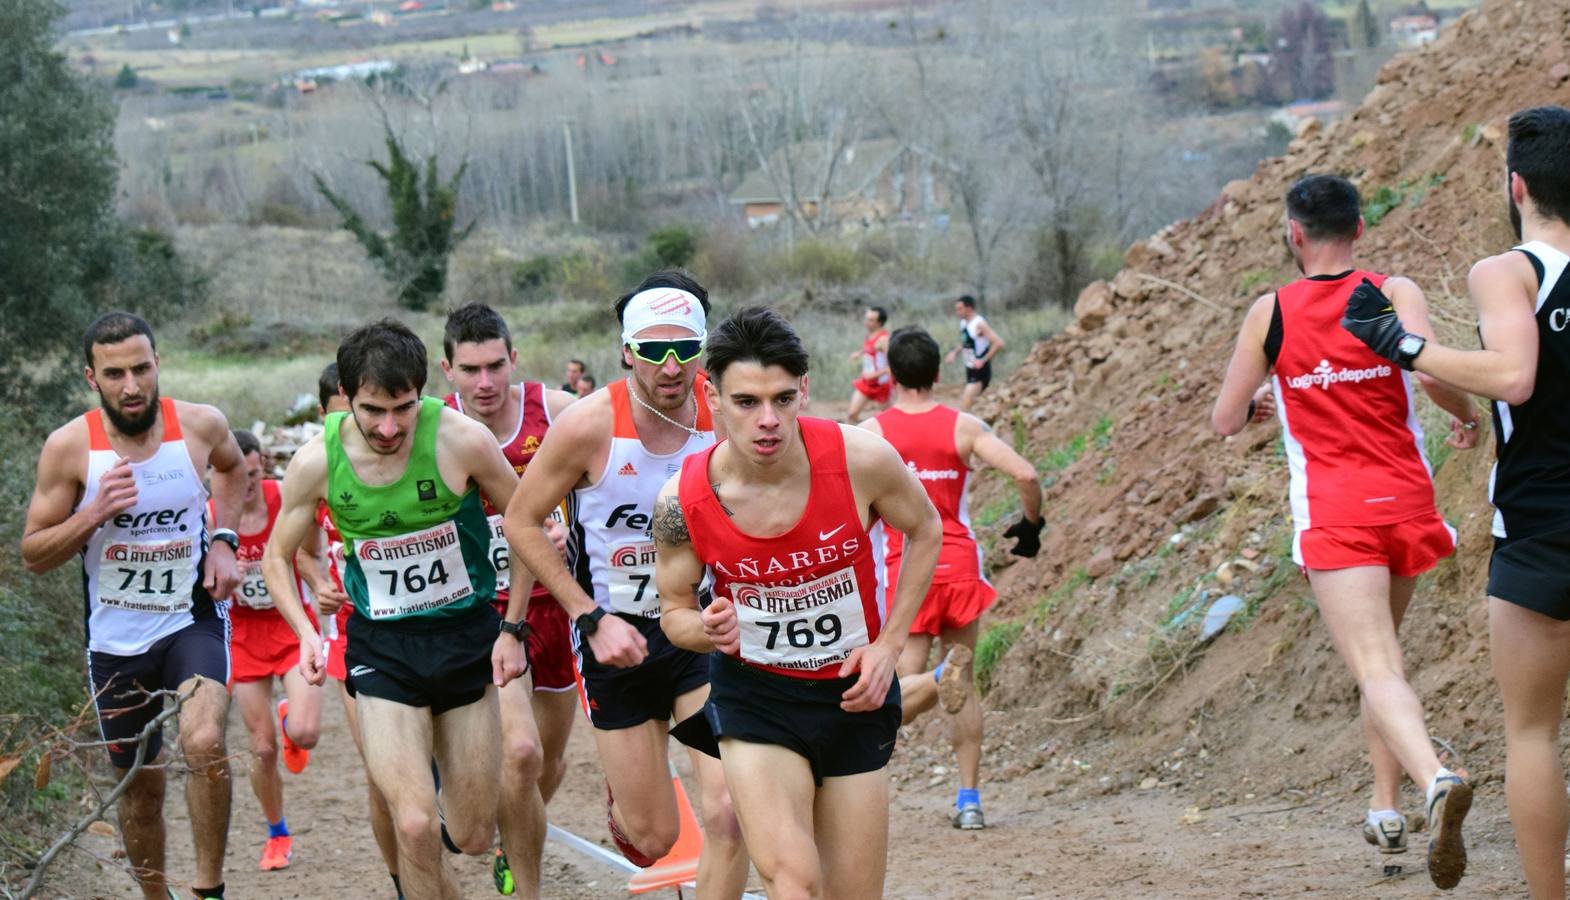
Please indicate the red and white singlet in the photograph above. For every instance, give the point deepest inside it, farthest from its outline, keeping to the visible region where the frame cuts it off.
(804, 599)
(873, 359)
(251, 600)
(926, 442)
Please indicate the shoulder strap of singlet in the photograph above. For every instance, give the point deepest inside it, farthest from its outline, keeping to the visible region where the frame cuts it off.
(531, 396)
(423, 455)
(1275, 332)
(621, 405)
(98, 438)
(694, 494)
(171, 420)
(825, 444)
(272, 495)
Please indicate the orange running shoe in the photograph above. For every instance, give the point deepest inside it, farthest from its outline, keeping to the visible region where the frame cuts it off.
(277, 853)
(295, 757)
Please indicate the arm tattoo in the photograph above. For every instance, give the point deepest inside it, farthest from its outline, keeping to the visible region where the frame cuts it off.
(727, 509)
(670, 526)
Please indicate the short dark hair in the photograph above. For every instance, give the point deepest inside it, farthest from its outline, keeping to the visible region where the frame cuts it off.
(669, 278)
(1539, 151)
(474, 323)
(914, 358)
(386, 354)
(582, 366)
(881, 313)
(112, 328)
(589, 378)
(968, 300)
(756, 334)
(247, 441)
(327, 384)
(1327, 206)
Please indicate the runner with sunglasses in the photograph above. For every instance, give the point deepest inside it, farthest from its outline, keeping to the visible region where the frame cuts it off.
(608, 455)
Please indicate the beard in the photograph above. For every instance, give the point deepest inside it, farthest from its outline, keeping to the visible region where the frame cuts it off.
(131, 426)
(660, 401)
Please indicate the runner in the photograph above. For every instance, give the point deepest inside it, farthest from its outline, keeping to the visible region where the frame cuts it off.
(1362, 497)
(1523, 306)
(586, 386)
(978, 344)
(608, 455)
(479, 362)
(261, 646)
(784, 516)
(875, 383)
(322, 571)
(576, 369)
(121, 487)
(940, 445)
(402, 477)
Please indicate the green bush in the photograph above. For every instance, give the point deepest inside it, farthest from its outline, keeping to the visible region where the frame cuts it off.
(990, 649)
(823, 262)
(673, 246)
(534, 275)
(586, 277)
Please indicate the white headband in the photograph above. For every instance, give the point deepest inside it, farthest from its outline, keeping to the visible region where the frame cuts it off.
(662, 306)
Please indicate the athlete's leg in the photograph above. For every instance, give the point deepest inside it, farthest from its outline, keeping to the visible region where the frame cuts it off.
(381, 817)
(255, 700)
(967, 722)
(554, 712)
(968, 398)
(305, 709)
(1355, 604)
(918, 690)
(722, 864)
(774, 795)
(469, 754)
(851, 819)
(858, 402)
(398, 741)
(637, 768)
(142, 826)
(520, 812)
(1531, 654)
(208, 789)
(1387, 769)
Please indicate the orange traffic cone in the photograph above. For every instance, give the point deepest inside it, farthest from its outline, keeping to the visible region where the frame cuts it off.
(680, 865)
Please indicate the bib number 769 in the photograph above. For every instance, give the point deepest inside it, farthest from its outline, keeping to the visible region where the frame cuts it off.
(805, 632)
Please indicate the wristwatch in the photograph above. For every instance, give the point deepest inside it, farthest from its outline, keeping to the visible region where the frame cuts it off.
(519, 630)
(228, 536)
(589, 622)
(1409, 347)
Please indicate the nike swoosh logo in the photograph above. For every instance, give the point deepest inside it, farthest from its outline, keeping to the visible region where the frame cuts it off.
(825, 535)
(886, 745)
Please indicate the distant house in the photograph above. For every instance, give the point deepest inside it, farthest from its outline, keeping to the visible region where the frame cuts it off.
(1414, 30)
(867, 181)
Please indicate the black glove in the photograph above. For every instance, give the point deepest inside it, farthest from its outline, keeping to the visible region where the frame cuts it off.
(1027, 536)
(1372, 319)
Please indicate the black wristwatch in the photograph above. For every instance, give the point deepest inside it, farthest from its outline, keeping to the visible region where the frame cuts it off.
(228, 536)
(589, 622)
(519, 630)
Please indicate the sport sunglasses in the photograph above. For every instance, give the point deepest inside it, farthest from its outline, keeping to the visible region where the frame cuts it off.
(657, 351)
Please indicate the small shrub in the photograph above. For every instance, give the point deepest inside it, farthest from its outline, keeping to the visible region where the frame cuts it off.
(724, 261)
(673, 247)
(586, 277)
(535, 275)
(823, 262)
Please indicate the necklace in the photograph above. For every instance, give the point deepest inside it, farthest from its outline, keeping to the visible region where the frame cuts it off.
(632, 388)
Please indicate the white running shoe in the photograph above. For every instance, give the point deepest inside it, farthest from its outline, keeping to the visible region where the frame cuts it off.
(1449, 799)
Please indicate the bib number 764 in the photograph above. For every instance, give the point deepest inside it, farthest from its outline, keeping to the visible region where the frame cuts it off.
(412, 579)
(805, 632)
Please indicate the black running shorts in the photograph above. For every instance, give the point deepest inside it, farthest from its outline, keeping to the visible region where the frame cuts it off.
(120, 683)
(1533, 572)
(802, 715)
(982, 376)
(442, 663)
(616, 698)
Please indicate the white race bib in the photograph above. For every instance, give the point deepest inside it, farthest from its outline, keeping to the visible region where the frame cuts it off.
(631, 576)
(153, 576)
(801, 626)
(414, 572)
(252, 591)
(500, 560)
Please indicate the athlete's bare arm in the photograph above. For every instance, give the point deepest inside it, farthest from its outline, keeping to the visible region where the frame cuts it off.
(891, 493)
(1504, 288)
(304, 485)
(677, 573)
(975, 437)
(1412, 307)
(573, 453)
(55, 531)
(995, 345)
(209, 427)
(1248, 368)
(556, 402)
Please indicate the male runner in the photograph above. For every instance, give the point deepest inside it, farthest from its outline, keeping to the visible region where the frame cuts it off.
(402, 477)
(940, 446)
(1362, 496)
(784, 516)
(479, 362)
(576, 369)
(121, 487)
(1523, 306)
(978, 344)
(262, 646)
(586, 386)
(875, 382)
(608, 454)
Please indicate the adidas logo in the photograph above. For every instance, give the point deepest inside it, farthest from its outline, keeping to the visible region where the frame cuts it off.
(627, 469)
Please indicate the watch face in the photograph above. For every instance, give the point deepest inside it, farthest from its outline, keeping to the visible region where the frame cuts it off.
(1410, 344)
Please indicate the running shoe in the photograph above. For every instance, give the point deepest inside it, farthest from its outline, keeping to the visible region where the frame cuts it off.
(626, 846)
(295, 757)
(954, 683)
(1449, 799)
(501, 874)
(968, 818)
(1389, 835)
(277, 853)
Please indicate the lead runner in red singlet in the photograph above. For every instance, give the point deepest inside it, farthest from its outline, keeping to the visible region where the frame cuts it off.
(940, 446)
(784, 514)
(479, 361)
(875, 383)
(1362, 496)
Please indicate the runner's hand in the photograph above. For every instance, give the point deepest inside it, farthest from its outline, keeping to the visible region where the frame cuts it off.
(618, 644)
(312, 664)
(221, 574)
(876, 663)
(1264, 404)
(329, 599)
(1372, 319)
(1027, 535)
(1461, 437)
(116, 491)
(509, 659)
(720, 626)
(557, 532)
(949, 356)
